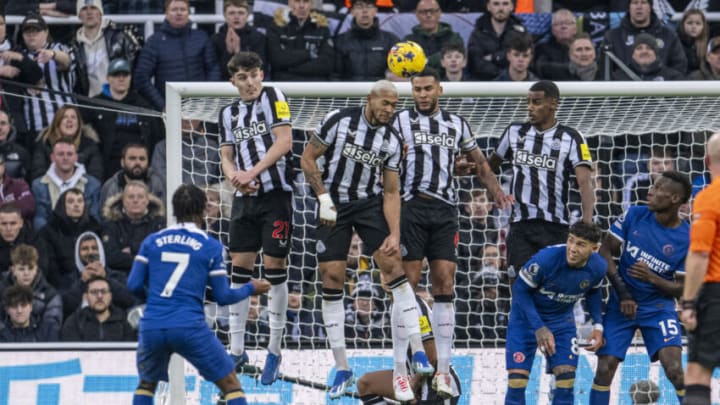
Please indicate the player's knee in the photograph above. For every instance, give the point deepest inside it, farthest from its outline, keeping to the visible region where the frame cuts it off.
(518, 380)
(565, 379)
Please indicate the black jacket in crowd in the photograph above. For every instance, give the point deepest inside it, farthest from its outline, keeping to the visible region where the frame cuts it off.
(37, 331)
(361, 54)
(300, 53)
(250, 40)
(116, 129)
(83, 326)
(620, 41)
(120, 232)
(551, 53)
(433, 42)
(119, 44)
(47, 305)
(57, 240)
(483, 42)
(656, 71)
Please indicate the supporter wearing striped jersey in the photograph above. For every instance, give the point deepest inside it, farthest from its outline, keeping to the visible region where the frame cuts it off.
(429, 226)
(545, 156)
(651, 241)
(541, 316)
(57, 64)
(375, 386)
(360, 188)
(700, 304)
(172, 270)
(255, 151)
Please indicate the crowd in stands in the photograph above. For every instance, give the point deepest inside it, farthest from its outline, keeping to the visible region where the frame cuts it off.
(83, 165)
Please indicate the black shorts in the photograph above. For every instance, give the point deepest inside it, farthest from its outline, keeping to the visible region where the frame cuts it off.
(703, 343)
(428, 228)
(368, 219)
(529, 236)
(262, 222)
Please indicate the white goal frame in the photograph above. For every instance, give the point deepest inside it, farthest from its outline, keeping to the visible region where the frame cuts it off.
(175, 91)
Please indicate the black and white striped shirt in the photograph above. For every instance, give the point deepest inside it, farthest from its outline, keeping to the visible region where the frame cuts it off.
(248, 126)
(433, 143)
(543, 165)
(40, 108)
(357, 154)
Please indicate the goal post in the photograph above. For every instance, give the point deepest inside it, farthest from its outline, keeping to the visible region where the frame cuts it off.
(622, 121)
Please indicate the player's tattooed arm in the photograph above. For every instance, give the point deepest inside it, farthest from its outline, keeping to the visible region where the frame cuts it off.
(313, 150)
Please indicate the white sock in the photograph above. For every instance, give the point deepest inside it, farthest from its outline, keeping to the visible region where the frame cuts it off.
(333, 314)
(237, 320)
(406, 306)
(277, 315)
(443, 324)
(400, 341)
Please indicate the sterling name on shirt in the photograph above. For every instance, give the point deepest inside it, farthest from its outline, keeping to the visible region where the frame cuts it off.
(180, 240)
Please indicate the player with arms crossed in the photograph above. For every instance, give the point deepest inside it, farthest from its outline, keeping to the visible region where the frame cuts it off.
(541, 316)
(700, 299)
(362, 158)
(545, 155)
(429, 225)
(171, 270)
(652, 242)
(255, 152)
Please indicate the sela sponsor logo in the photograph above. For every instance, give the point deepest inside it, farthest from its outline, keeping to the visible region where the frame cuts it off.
(255, 129)
(361, 155)
(523, 157)
(443, 139)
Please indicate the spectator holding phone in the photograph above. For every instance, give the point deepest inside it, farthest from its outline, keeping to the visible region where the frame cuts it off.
(90, 261)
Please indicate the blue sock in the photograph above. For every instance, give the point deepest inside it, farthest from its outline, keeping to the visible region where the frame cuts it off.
(564, 389)
(143, 397)
(600, 395)
(563, 396)
(516, 389)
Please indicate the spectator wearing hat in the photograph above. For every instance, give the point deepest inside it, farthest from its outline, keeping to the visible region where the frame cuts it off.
(15, 157)
(96, 43)
(56, 63)
(18, 67)
(645, 63)
(365, 318)
(118, 128)
(710, 67)
(640, 19)
(237, 35)
(175, 53)
(361, 52)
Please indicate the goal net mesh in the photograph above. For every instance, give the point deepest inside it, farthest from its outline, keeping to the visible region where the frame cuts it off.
(629, 136)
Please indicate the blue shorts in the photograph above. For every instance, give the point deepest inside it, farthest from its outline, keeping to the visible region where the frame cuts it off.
(659, 327)
(521, 344)
(199, 346)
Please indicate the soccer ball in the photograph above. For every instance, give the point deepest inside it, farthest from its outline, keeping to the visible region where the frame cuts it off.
(406, 58)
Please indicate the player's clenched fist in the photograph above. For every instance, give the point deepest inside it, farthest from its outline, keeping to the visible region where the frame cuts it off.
(261, 286)
(328, 214)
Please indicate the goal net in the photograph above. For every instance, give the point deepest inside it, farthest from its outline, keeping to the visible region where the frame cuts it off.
(633, 129)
